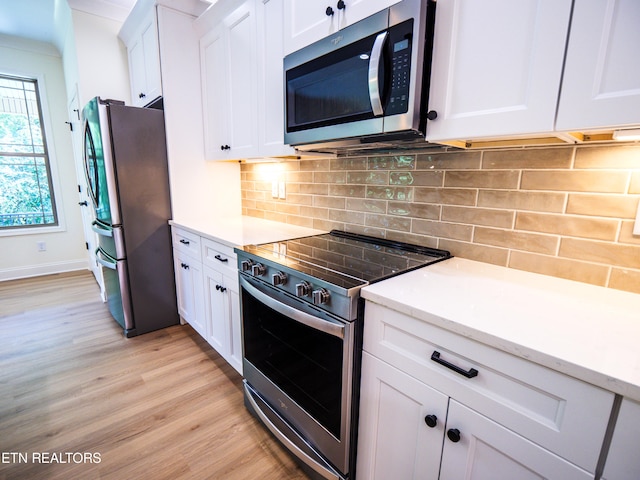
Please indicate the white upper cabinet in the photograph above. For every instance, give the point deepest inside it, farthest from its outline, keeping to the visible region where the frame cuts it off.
(497, 66)
(144, 62)
(307, 21)
(242, 80)
(601, 85)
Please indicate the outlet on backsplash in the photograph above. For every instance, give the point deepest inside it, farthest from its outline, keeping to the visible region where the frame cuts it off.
(636, 225)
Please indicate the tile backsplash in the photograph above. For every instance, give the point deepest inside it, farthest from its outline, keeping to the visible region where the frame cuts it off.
(563, 211)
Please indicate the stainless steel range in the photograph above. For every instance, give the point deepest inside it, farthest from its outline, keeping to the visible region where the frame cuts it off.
(302, 319)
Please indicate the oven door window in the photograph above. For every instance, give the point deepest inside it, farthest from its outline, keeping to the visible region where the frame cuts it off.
(303, 362)
(332, 89)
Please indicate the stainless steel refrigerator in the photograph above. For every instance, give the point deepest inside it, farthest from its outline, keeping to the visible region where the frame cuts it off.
(125, 161)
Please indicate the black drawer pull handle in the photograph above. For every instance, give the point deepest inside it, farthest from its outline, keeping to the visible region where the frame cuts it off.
(184, 242)
(185, 266)
(472, 372)
(218, 257)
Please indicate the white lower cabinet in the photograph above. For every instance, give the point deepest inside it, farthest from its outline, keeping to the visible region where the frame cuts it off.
(623, 461)
(436, 405)
(208, 292)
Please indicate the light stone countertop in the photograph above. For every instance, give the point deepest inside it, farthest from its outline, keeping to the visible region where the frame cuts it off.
(588, 332)
(243, 230)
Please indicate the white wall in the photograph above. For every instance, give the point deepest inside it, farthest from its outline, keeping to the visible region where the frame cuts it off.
(65, 248)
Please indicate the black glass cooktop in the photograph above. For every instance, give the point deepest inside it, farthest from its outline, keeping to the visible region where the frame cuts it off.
(347, 259)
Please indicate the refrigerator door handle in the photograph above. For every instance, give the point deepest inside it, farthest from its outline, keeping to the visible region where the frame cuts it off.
(108, 263)
(101, 230)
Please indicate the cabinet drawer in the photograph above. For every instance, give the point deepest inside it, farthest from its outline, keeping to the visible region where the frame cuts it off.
(565, 415)
(218, 256)
(186, 242)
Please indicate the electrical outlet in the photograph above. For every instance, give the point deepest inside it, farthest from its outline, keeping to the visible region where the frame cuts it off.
(282, 192)
(274, 189)
(636, 225)
(42, 246)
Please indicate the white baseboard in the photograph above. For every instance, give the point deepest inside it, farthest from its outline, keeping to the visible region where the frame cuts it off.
(42, 269)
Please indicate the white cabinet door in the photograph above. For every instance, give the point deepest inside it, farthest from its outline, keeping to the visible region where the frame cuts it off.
(307, 21)
(623, 461)
(234, 356)
(217, 335)
(229, 78)
(271, 83)
(216, 103)
(394, 440)
(485, 450)
(189, 291)
(601, 84)
(497, 66)
(144, 62)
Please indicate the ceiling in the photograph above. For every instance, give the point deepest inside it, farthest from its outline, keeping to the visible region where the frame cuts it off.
(35, 19)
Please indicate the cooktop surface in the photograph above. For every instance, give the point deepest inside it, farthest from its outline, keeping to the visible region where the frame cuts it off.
(346, 259)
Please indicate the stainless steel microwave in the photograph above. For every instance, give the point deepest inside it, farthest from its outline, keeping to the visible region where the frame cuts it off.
(367, 83)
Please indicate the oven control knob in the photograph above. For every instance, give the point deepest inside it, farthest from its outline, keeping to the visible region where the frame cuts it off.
(320, 297)
(258, 270)
(303, 289)
(279, 278)
(246, 265)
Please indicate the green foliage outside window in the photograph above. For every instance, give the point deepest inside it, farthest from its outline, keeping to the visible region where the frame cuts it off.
(26, 195)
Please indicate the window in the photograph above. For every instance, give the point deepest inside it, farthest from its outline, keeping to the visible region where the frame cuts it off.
(26, 192)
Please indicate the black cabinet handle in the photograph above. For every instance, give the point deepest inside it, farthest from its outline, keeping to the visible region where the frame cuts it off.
(329, 11)
(432, 114)
(218, 257)
(225, 147)
(142, 95)
(185, 266)
(184, 242)
(221, 288)
(472, 372)
(454, 435)
(341, 5)
(84, 204)
(431, 420)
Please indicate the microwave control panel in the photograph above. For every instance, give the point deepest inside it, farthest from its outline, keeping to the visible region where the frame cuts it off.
(400, 45)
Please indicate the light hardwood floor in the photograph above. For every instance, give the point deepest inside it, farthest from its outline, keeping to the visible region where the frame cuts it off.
(159, 406)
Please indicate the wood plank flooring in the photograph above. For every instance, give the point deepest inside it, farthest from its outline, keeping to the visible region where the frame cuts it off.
(159, 406)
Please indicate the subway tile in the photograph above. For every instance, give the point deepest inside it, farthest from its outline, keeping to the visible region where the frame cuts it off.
(575, 181)
(621, 156)
(329, 202)
(287, 208)
(626, 233)
(529, 242)
(314, 188)
(299, 177)
(347, 216)
(452, 231)
(418, 178)
(276, 217)
(634, 185)
(473, 251)
(366, 205)
(388, 222)
(404, 194)
(519, 200)
(478, 216)
(417, 210)
(349, 163)
(298, 199)
(573, 226)
(446, 196)
(528, 158)
(347, 190)
(601, 252)
(314, 212)
(368, 177)
(413, 239)
(559, 267)
(253, 212)
(327, 225)
(625, 279)
(314, 164)
(449, 161)
(394, 162)
(300, 221)
(330, 177)
(617, 206)
(504, 179)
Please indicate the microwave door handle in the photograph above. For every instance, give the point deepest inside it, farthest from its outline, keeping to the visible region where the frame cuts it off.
(374, 79)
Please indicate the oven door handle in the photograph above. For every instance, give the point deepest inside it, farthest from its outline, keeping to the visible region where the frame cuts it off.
(309, 320)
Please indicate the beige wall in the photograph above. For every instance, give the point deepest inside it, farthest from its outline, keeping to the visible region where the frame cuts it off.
(563, 211)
